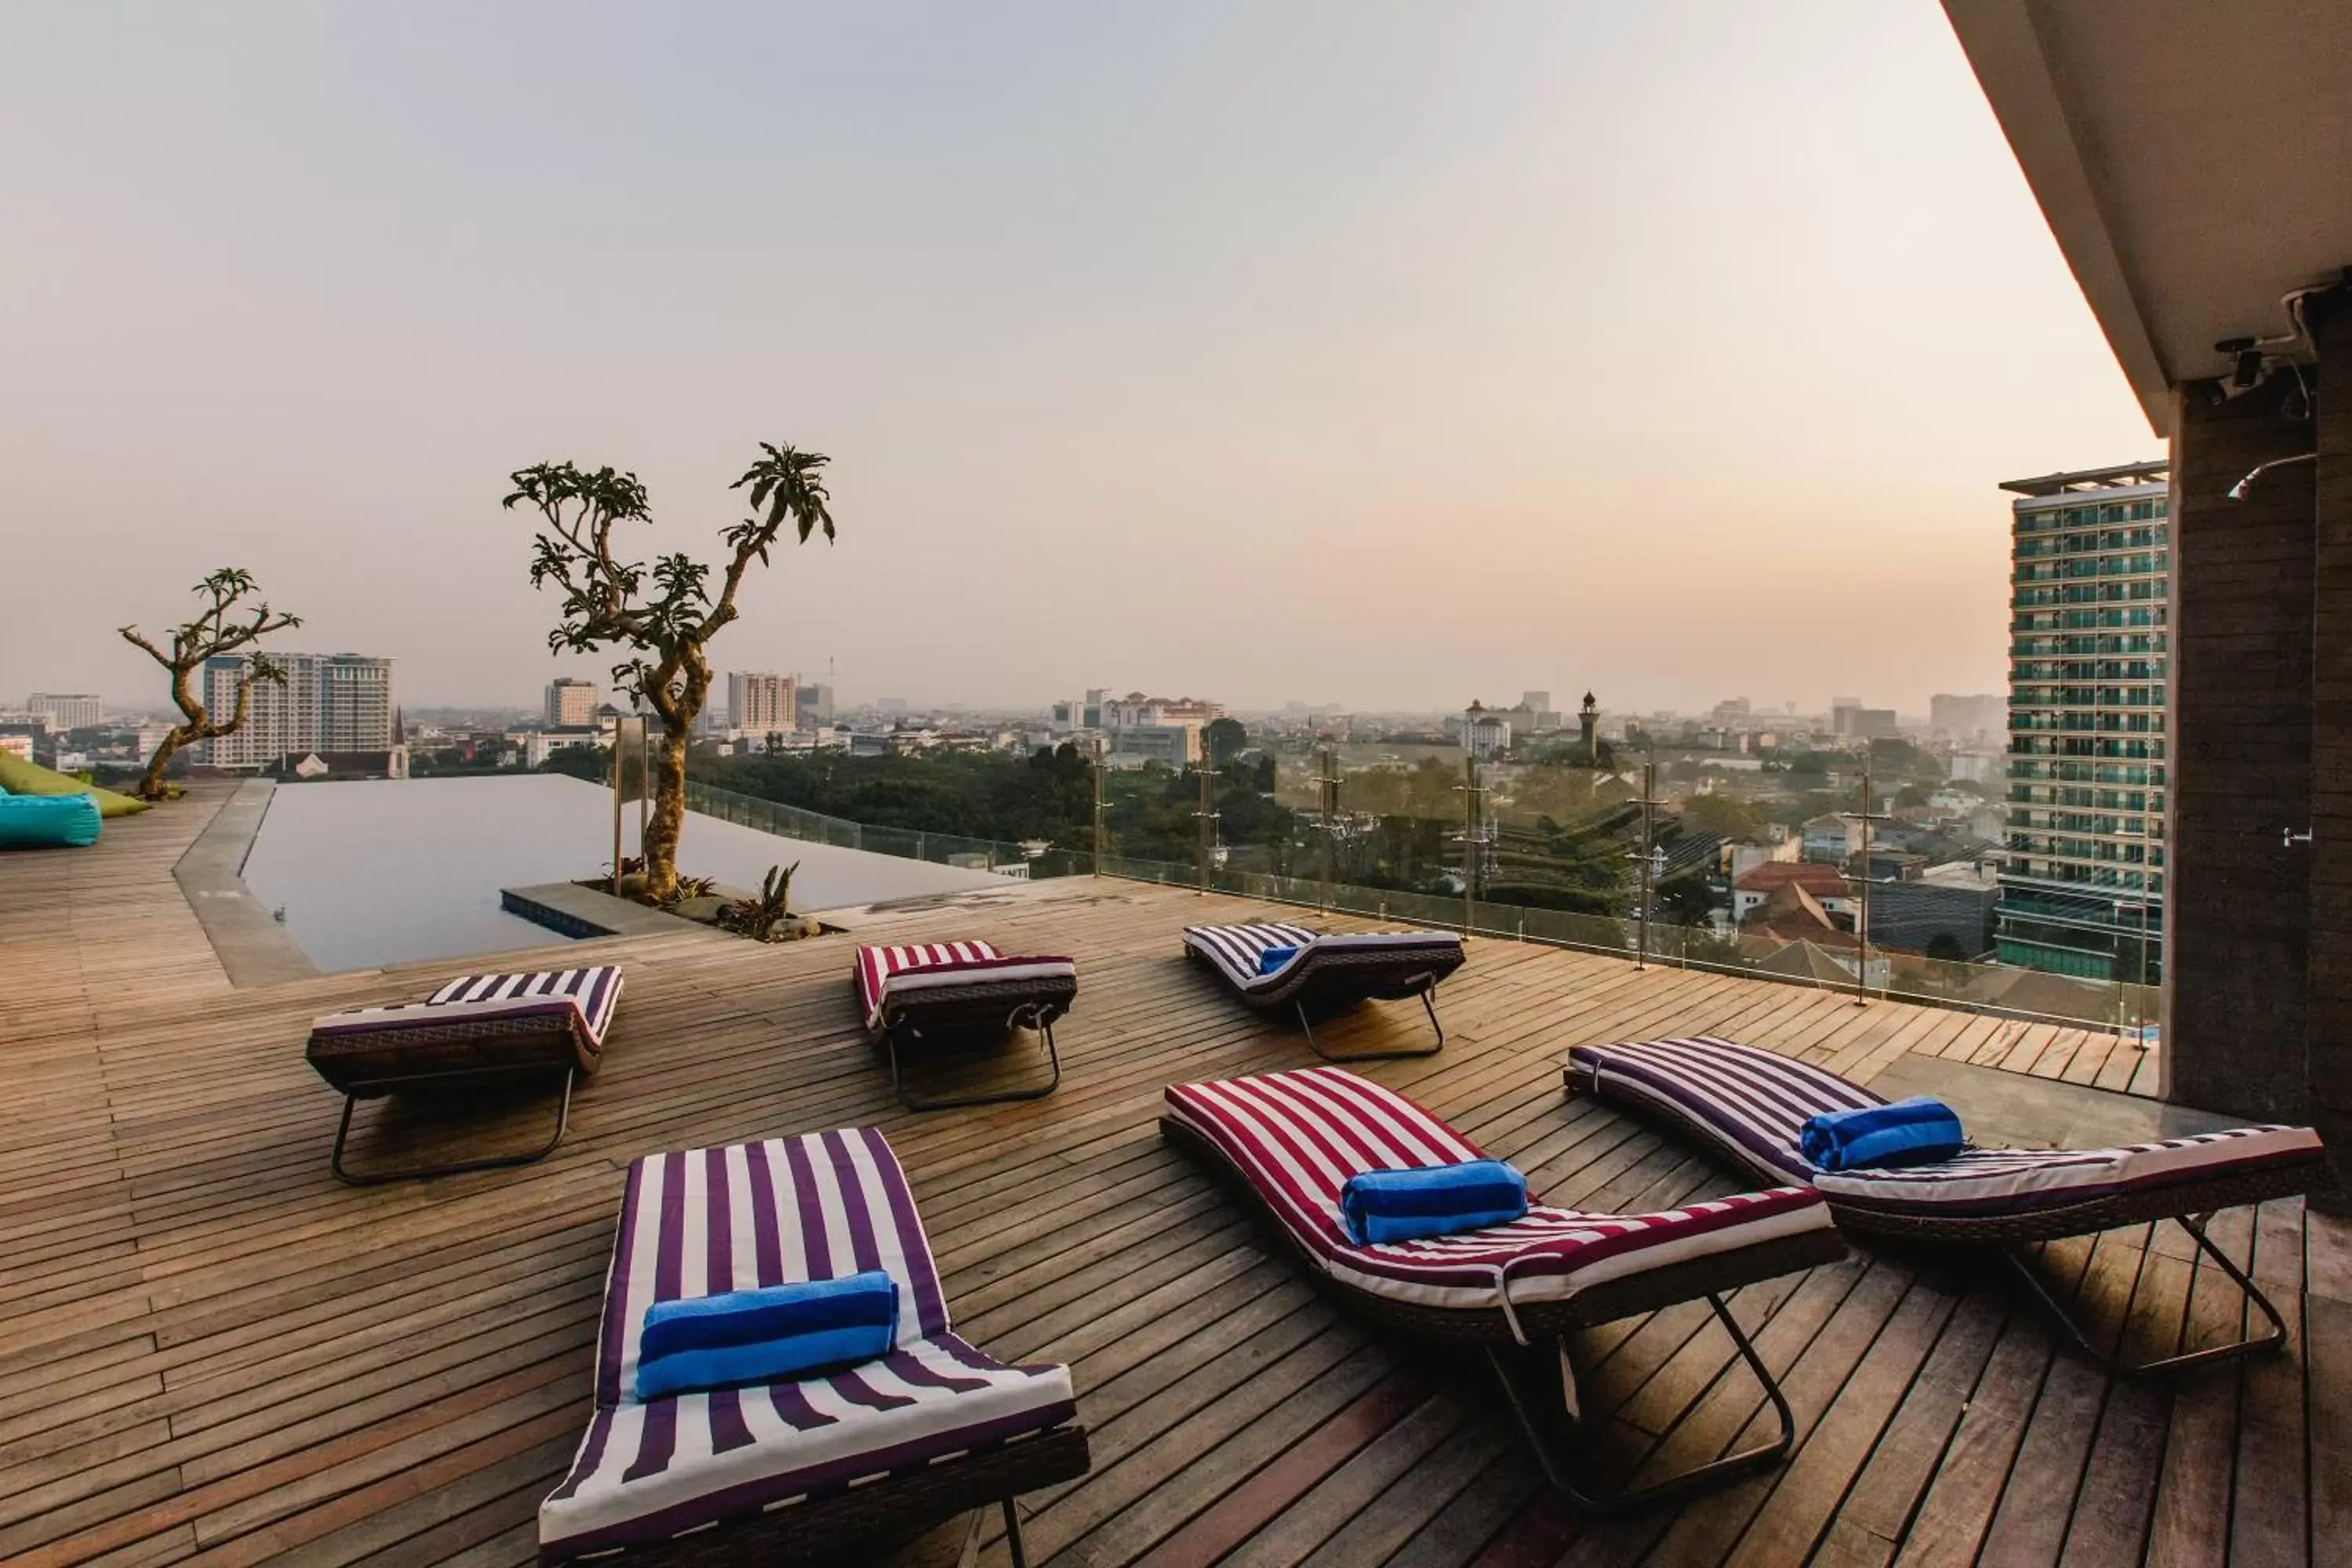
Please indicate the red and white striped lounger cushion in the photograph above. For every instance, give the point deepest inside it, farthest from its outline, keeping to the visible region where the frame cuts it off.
(890, 977)
(1235, 949)
(1755, 1102)
(708, 1220)
(587, 995)
(1298, 1136)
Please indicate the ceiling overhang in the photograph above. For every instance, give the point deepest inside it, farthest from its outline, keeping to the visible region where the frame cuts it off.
(2193, 160)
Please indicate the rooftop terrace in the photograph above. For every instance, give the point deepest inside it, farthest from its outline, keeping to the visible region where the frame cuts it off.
(211, 1351)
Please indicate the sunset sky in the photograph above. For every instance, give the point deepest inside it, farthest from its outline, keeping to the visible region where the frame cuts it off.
(1385, 355)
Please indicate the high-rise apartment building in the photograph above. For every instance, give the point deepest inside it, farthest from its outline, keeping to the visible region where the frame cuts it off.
(328, 702)
(571, 701)
(759, 702)
(67, 710)
(1965, 716)
(2082, 891)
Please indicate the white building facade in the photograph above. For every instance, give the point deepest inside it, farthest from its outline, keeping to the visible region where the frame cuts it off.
(328, 702)
(68, 710)
(759, 701)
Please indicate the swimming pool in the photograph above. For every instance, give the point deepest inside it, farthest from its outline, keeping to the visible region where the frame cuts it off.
(393, 870)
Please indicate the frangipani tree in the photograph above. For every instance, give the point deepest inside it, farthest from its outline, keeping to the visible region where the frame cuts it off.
(223, 625)
(662, 615)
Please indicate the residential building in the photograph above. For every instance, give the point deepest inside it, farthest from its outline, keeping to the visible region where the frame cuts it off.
(1833, 838)
(1855, 722)
(535, 747)
(1966, 718)
(1533, 711)
(759, 701)
(571, 701)
(392, 764)
(17, 745)
(2083, 887)
(1977, 767)
(1946, 911)
(1156, 729)
(328, 702)
(68, 710)
(1754, 887)
(1481, 731)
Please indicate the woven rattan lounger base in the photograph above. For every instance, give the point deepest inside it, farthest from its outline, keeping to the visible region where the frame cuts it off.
(1748, 1104)
(880, 1515)
(1426, 989)
(378, 1088)
(1563, 1445)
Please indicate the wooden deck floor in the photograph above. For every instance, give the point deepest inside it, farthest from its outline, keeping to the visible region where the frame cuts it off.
(210, 1350)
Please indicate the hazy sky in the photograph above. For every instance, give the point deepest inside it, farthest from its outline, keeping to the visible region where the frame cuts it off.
(1395, 354)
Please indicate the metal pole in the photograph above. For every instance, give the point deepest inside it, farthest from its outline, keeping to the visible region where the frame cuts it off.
(1330, 800)
(1470, 793)
(1648, 801)
(1208, 819)
(1861, 923)
(1098, 815)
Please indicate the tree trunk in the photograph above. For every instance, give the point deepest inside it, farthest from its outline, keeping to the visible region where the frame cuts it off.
(150, 787)
(669, 812)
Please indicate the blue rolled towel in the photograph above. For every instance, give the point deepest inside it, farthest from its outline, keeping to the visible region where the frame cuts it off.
(1915, 1131)
(1433, 1200)
(1273, 958)
(770, 1335)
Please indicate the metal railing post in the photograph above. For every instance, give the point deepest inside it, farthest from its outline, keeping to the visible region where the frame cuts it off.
(1207, 818)
(1328, 794)
(1649, 804)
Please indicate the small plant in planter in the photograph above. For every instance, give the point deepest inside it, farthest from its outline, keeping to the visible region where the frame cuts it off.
(759, 917)
(694, 888)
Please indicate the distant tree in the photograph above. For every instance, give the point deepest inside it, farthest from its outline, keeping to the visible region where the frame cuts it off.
(1911, 795)
(606, 603)
(1686, 899)
(1726, 815)
(223, 626)
(1224, 738)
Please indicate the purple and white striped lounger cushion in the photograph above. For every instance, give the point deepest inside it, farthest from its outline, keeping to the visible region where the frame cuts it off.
(1754, 1102)
(587, 996)
(889, 976)
(1235, 949)
(1296, 1137)
(702, 1221)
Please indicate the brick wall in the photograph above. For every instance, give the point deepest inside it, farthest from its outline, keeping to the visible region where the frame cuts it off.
(2237, 918)
(2329, 1032)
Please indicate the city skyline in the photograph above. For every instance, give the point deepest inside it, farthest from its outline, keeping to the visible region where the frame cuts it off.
(1114, 362)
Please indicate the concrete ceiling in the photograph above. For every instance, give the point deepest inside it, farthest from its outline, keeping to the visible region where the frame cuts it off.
(2193, 157)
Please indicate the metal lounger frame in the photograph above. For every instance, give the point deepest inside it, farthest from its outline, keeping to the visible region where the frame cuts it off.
(886, 1512)
(1324, 976)
(2192, 1203)
(1029, 1005)
(1491, 1329)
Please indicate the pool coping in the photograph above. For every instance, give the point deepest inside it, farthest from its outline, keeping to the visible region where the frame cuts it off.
(252, 947)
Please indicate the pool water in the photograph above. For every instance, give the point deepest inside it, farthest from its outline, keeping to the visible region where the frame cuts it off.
(394, 870)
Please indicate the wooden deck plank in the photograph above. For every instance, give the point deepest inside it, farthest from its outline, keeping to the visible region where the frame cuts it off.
(209, 1348)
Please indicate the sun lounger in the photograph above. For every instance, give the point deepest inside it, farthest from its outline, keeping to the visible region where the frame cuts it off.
(1327, 970)
(852, 1460)
(475, 1028)
(1749, 1105)
(943, 990)
(1291, 1140)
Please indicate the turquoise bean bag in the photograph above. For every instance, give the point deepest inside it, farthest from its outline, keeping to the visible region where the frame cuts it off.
(47, 821)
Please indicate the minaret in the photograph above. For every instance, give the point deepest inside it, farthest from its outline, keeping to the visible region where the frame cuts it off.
(1588, 720)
